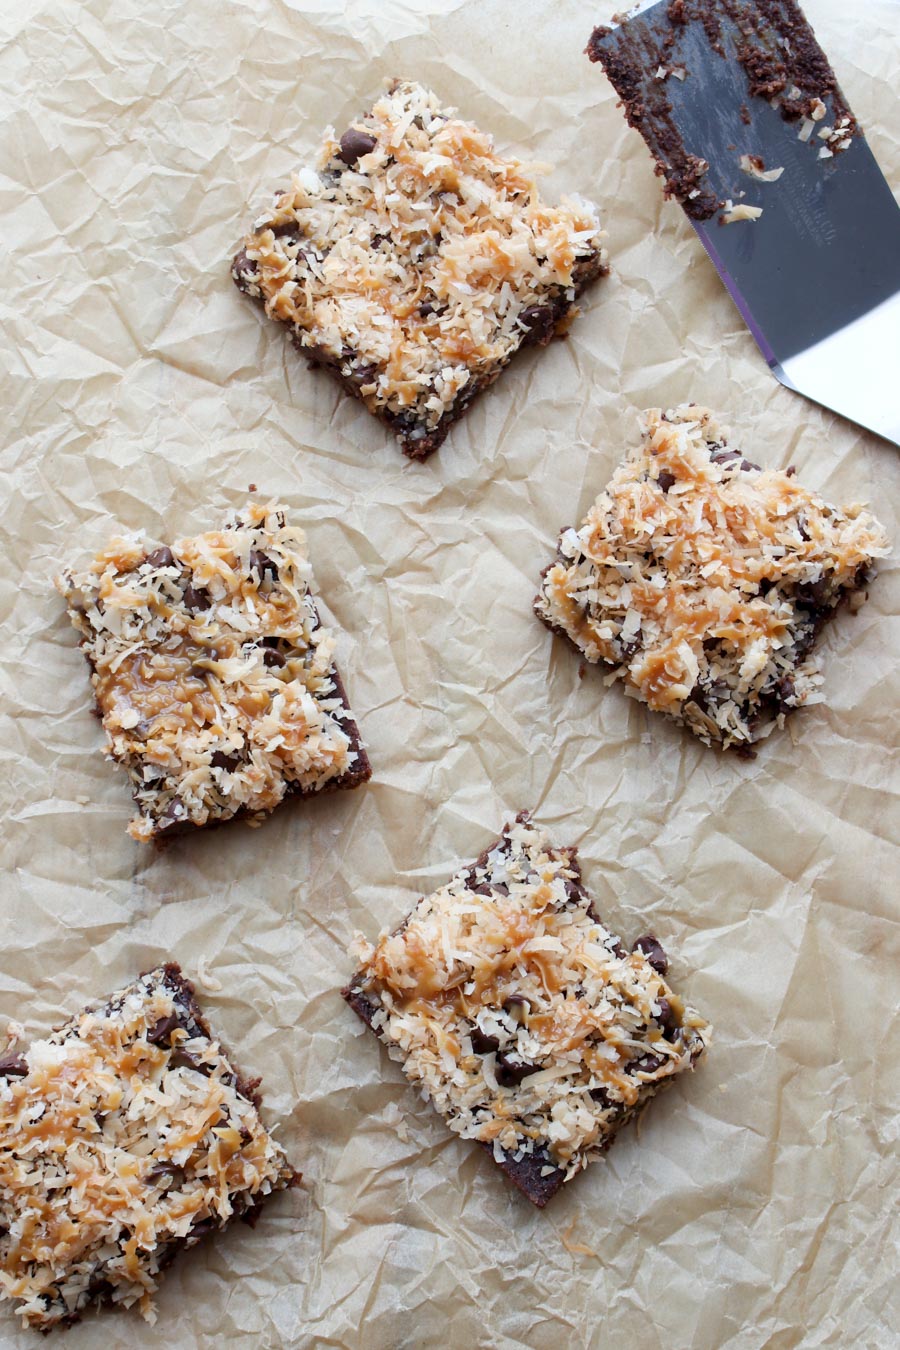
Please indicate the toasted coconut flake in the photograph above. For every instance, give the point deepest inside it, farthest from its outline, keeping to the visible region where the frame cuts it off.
(732, 214)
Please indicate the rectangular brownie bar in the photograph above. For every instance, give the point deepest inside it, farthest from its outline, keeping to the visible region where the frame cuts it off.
(213, 676)
(125, 1136)
(702, 581)
(521, 1016)
(414, 262)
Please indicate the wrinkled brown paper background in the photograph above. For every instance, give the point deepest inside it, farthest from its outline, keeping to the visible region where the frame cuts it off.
(755, 1207)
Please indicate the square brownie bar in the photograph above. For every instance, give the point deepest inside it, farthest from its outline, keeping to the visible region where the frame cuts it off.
(415, 261)
(213, 676)
(702, 581)
(125, 1136)
(521, 1016)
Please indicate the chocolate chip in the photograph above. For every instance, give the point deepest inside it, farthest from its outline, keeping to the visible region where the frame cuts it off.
(161, 557)
(813, 595)
(766, 585)
(167, 1171)
(719, 455)
(219, 760)
(263, 565)
(203, 1226)
(615, 946)
(747, 465)
(539, 321)
(13, 1066)
(274, 660)
(646, 1064)
(601, 1097)
(651, 947)
(483, 1044)
(196, 598)
(289, 231)
(183, 1059)
(161, 1032)
(244, 269)
(354, 144)
(666, 480)
(174, 814)
(510, 1072)
(517, 1007)
(667, 1019)
(790, 471)
(786, 691)
(801, 526)
(426, 309)
(574, 892)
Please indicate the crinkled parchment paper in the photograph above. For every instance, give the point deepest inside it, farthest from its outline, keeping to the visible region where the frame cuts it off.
(755, 1207)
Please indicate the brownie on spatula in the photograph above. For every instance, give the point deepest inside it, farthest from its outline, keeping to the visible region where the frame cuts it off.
(213, 676)
(414, 261)
(125, 1137)
(702, 581)
(521, 1016)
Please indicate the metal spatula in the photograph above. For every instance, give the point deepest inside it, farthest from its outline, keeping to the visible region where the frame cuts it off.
(817, 275)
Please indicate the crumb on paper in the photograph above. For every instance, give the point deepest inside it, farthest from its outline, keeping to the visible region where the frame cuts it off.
(208, 981)
(576, 1248)
(15, 1032)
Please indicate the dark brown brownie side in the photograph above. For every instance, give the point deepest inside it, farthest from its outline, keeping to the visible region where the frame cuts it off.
(418, 442)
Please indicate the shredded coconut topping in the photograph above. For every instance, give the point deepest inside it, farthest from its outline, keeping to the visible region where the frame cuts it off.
(416, 260)
(519, 1014)
(124, 1136)
(213, 676)
(703, 580)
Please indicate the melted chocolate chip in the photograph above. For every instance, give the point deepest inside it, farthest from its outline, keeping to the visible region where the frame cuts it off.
(167, 1171)
(196, 598)
(539, 321)
(651, 947)
(354, 144)
(666, 480)
(183, 1059)
(601, 1097)
(517, 1007)
(161, 1032)
(813, 595)
(273, 659)
(161, 557)
(646, 1064)
(263, 565)
(219, 760)
(244, 269)
(174, 814)
(13, 1066)
(483, 1044)
(511, 1072)
(667, 1019)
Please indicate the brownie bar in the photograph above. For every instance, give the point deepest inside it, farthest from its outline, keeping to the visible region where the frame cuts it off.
(125, 1136)
(521, 1016)
(702, 581)
(213, 675)
(415, 262)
